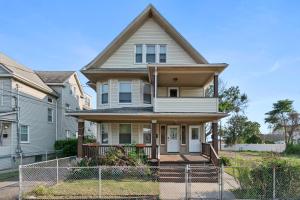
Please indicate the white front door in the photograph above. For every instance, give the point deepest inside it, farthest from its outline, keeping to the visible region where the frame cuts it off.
(173, 139)
(194, 139)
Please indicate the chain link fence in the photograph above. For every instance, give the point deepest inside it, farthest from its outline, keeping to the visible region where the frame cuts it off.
(66, 179)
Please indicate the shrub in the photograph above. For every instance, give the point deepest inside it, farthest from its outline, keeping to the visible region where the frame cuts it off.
(292, 149)
(225, 161)
(41, 190)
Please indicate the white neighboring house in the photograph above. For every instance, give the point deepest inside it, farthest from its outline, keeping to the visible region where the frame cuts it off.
(40, 117)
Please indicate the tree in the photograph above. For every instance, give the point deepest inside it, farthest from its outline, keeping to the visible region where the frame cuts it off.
(293, 126)
(281, 117)
(240, 130)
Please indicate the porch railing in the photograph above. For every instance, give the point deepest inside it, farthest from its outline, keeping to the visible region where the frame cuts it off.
(208, 150)
(96, 150)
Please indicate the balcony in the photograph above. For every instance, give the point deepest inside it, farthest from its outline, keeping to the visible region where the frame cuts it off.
(186, 104)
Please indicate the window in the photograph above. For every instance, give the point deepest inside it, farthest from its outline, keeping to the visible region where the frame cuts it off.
(104, 93)
(163, 134)
(68, 133)
(162, 53)
(147, 134)
(68, 107)
(139, 53)
(183, 134)
(147, 93)
(125, 92)
(50, 100)
(125, 133)
(173, 92)
(24, 134)
(50, 115)
(104, 133)
(150, 53)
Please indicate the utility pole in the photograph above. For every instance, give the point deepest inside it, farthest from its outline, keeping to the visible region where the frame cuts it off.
(17, 100)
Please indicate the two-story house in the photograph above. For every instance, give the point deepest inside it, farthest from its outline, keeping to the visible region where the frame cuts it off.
(150, 85)
(32, 111)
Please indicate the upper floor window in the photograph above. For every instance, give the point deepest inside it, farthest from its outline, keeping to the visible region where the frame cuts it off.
(50, 115)
(150, 53)
(24, 134)
(50, 100)
(162, 53)
(104, 93)
(147, 93)
(68, 108)
(139, 53)
(125, 92)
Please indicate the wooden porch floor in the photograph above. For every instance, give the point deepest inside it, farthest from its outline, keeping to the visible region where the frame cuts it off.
(183, 158)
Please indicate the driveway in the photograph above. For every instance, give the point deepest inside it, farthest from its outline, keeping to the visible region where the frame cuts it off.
(9, 188)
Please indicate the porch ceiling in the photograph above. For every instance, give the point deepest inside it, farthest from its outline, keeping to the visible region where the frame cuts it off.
(185, 75)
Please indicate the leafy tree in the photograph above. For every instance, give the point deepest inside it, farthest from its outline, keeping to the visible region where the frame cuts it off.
(283, 117)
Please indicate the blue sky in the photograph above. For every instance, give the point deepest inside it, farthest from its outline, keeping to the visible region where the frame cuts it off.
(260, 40)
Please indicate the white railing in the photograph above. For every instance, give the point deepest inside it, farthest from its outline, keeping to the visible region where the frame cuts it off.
(185, 104)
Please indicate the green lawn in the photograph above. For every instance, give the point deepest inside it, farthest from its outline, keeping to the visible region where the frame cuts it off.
(90, 188)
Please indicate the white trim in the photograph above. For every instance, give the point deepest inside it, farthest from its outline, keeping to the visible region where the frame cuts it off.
(172, 88)
(134, 55)
(28, 135)
(119, 82)
(159, 53)
(190, 128)
(119, 132)
(101, 92)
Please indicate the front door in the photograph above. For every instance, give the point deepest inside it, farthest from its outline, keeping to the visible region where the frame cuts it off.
(194, 139)
(173, 139)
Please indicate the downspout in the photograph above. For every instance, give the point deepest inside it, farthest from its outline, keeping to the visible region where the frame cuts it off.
(56, 127)
(155, 88)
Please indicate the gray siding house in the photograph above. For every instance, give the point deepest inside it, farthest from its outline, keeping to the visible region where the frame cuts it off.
(38, 108)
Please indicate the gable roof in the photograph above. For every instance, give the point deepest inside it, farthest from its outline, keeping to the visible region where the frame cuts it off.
(51, 77)
(24, 74)
(58, 78)
(149, 12)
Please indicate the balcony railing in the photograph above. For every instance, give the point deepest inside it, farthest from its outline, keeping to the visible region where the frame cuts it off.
(97, 150)
(186, 104)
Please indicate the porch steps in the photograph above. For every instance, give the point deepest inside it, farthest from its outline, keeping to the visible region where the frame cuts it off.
(198, 174)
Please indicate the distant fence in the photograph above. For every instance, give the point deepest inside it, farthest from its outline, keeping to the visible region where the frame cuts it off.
(255, 147)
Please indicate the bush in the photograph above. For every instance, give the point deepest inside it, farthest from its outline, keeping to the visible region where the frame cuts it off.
(225, 161)
(68, 147)
(257, 182)
(292, 149)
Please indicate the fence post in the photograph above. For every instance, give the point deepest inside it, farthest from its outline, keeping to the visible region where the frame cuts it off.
(187, 182)
(56, 171)
(274, 182)
(20, 182)
(46, 155)
(99, 182)
(221, 181)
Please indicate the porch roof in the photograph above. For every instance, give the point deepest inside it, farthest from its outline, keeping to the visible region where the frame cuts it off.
(184, 75)
(143, 114)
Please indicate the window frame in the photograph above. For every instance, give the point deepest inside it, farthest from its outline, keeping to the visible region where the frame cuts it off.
(165, 134)
(135, 47)
(130, 132)
(172, 88)
(159, 46)
(101, 137)
(185, 134)
(147, 93)
(28, 135)
(103, 84)
(145, 125)
(51, 100)
(52, 115)
(119, 87)
(155, 53)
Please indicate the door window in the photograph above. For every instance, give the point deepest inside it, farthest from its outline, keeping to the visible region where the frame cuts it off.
(195, 134)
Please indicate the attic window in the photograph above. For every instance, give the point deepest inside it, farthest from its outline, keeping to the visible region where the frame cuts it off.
(150, 53)
(139, 53)
(162, 53)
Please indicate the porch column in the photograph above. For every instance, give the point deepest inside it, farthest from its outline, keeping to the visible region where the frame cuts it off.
(215, 135)
(153, 139)
(216, 85)
(80, 138)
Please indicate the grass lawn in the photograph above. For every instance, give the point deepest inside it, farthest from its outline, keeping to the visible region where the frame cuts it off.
(90, 188)
(11, 175)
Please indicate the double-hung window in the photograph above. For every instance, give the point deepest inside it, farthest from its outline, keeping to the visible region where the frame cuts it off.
(147, 93)
(162, 53)
(125, 92)
(24, 134)
(139, 53)
(147, 134)
(125, 133)
(104, 93)
(50, 115)
(104, 133)
(150, 53)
